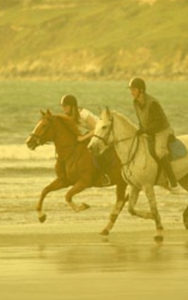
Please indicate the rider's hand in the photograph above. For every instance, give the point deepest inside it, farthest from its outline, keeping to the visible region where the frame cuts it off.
(80, 138)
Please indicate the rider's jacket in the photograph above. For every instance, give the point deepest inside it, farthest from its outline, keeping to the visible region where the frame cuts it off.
(151, 116)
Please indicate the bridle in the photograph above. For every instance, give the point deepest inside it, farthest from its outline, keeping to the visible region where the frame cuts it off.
(106, 142)
(106, 137)
(39, 139)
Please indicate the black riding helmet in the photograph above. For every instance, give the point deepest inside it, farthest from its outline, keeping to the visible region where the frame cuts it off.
(69, 100)
(137, 83)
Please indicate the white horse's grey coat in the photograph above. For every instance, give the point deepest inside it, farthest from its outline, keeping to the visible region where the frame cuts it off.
(141, 171)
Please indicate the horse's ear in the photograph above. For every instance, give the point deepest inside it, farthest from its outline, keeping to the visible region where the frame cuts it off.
(108, 110)
(107, 113)
(48, 113)
(42, 113)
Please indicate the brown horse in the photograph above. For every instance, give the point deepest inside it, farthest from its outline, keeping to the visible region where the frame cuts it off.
(75, 165)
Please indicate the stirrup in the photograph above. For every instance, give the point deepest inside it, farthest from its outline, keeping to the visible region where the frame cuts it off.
(106, 180)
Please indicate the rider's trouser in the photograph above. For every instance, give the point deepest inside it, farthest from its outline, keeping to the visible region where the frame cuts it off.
(166, 165)
(161, 149)
(161, 142)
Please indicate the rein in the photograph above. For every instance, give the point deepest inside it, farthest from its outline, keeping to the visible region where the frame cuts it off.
(36, 137)
(105, 139)
(130, 158)
(123, 140)
(102, 139)
(134, 138)
(39, 138)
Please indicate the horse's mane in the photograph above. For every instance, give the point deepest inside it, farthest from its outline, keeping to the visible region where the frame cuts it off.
(124, 119)
(69, 123)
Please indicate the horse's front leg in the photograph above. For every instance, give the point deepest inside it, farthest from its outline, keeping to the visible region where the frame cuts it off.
(150, 194)
(55, 185)
(133, 197)
(77, 188)
(121, 199)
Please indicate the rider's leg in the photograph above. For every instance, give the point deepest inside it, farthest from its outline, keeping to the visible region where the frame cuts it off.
(161, 148)
(175, 187)
(166, 165)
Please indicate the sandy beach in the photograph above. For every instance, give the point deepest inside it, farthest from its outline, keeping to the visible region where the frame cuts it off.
(66, 257)
(41, 262)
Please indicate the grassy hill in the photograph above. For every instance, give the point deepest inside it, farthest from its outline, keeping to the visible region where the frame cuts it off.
(93, 38)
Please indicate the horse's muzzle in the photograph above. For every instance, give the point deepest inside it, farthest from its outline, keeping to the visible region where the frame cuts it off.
(31, 143)
(94, 149)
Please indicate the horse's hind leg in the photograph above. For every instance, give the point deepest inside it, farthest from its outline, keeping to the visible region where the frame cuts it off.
(121, 199)
(53, 186)
(77, 188)
(150, 194)
(133, 197)
(144, 214)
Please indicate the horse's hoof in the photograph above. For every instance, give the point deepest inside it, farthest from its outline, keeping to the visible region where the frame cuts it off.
(42, 219)
(105, 232)
(158, 238)
(185, 218)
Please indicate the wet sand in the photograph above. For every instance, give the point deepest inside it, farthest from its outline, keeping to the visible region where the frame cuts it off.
(66, 258)
(41, 262)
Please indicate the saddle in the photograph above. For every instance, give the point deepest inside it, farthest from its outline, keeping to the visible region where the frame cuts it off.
(176, 148)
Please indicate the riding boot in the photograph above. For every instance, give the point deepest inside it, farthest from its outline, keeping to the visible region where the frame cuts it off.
(105, 179)
(168, 170)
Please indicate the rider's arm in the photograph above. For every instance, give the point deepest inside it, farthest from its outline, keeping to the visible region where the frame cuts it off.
(156, 119)
(86, 136)
(90, 120)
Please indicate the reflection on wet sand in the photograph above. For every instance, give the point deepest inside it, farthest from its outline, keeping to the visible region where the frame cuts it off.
(87, 266)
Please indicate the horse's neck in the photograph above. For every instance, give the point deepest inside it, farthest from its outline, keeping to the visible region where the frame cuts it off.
(127, 143)
(124, 132)
(123, 128)
(64, 140)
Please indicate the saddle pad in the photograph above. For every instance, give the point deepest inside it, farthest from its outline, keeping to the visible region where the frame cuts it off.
(176, 149)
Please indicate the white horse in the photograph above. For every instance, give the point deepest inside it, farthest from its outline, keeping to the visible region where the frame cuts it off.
(139, 168)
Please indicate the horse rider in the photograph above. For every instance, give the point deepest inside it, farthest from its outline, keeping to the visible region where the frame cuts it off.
(84, 118)
(153, 121)
(86, 122)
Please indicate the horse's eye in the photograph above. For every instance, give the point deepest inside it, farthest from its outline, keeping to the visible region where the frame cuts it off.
(104, 127)
(46, 123)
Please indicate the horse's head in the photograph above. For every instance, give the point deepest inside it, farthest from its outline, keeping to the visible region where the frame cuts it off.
(42, 132)
(103, 136)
